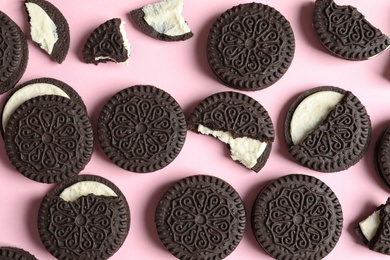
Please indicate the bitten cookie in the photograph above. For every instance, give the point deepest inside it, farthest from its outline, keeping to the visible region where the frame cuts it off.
(86, 217)
(48, 28)
(297, 217)
(250, 46)
(142, 129)
(345, 33)
(239, 121)
(327, 129)
(14, 253)
(200, 217)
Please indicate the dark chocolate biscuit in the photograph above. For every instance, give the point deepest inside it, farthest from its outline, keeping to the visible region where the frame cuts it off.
(49, 138)
(14, 53)
(61, 46)
(339, 141)
(200, 217)
(382, 157)
(106, 43)
(250, 46)
(238, 114)
(142, 128)
(345, 32)
(91, 226)
(297, 217)
(14, 253)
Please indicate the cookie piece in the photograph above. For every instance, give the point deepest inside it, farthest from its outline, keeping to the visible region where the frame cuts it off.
(142, 129)
(327, 129)
(108, 42)
(382, 157)
(49, 28)
(200, 217)
(49, 138)
(34, 88)
(374, 231)
(86, 217)
(297, 217)
(163, 20)
(345, 32)
(250, 46)
(14, 253)
(14, 53)
(239, 121)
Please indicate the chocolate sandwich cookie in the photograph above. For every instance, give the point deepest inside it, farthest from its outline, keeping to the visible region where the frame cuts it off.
(49, 138)
(374, 231)
(250, 46)
(200, 217)
(49, 28)
(14, 53)
(108, 42)
(327, 129)
(345, 32)
(163, 21)
(382, 157)
(239, 121)
(142, 129)
(85, 217)
(14, 253)
(297, 217)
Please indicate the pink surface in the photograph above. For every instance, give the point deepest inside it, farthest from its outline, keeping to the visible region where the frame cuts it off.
(182, 70)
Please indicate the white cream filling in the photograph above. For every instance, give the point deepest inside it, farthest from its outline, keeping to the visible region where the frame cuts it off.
(84, 188)
(166, 17)
(43, 29)
(26, 93)
(243, 149)
(311, 112)
(370, 225)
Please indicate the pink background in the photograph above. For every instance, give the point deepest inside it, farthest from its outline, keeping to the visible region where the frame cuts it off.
(182, 70)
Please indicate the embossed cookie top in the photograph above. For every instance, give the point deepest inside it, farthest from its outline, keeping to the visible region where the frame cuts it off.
(142, 129)
(14, 253)
(297, 217)
(49, 138)
(200, 217)
(250, 46)
(13, 53)
(345, 32)
(382, 157)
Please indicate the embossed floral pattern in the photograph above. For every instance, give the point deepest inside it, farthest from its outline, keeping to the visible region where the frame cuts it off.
(200, 220)
(299, 219)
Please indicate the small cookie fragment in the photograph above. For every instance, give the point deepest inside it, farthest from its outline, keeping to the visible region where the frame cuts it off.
(49, 28)
(108, 42)
(86, 217)
(239, 121)
(200, 217)
(49, 138)
(14, 53)
(345, 32)
(142, 129)
(14, 253)
(382, 157)
(250, 46)
(163, 20)
(327, 129)
(374, 231)
(297, 217)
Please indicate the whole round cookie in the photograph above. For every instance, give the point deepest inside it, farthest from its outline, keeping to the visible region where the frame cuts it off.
(327, 129)
(250, 46)
(200, 217)
(142, 128)
(49, 138)
(297, 217)
(239, 121)
(382, 157)
(13, 53)
(14, 253)
(84, 217)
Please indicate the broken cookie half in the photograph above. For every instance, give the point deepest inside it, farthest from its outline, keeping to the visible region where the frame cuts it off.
(163, 20)
(374, 231)
(239, 121)
(108, 42)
